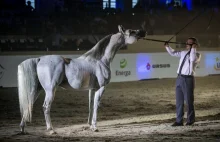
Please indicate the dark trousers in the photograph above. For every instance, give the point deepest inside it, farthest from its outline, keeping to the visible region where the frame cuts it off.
(185, 91)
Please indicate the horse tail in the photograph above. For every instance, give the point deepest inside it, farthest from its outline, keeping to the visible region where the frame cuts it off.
(27, 87)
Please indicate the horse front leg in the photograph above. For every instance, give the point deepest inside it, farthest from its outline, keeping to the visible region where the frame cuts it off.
(91, 103)
(97, 98)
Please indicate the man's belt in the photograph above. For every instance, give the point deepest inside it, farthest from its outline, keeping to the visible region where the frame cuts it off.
(186, 76)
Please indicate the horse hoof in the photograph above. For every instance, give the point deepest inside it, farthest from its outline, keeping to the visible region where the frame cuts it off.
(94, 129)
(52, 132)
(85, 128)
(22, 133)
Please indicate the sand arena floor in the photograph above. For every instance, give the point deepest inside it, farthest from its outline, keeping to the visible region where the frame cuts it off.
(129, 111)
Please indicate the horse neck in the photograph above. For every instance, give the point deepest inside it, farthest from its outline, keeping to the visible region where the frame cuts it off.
(116, 42)
(105, 49)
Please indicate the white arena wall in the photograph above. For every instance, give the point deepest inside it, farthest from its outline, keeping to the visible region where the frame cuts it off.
(125, 67)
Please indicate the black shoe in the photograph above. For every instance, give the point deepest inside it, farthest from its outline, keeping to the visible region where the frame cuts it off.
(177, 124)
(189, 123)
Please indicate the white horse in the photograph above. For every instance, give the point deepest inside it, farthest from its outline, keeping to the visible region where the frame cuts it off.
(91, 71)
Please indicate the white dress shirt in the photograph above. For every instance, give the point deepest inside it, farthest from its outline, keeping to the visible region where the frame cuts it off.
(190, 63)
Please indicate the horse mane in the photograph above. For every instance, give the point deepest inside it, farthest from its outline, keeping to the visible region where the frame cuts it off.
(99, 49)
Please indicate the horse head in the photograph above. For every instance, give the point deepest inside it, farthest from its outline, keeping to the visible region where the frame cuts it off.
(131, 36)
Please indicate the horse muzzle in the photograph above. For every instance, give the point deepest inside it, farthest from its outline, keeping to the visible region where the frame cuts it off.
(141, 34)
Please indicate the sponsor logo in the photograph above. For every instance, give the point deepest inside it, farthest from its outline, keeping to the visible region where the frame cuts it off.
(1, 71)
(161, 66)
(125, 73)
(123, 64)
(217, 64)
(148, 66)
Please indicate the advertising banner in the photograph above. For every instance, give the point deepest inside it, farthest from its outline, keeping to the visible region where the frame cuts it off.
(212, 62)
(123, 68)
(156, 65)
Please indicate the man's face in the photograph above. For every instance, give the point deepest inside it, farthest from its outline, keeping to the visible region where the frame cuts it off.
(189, 41)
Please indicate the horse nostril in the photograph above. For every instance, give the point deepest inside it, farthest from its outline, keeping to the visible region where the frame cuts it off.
(141, 33)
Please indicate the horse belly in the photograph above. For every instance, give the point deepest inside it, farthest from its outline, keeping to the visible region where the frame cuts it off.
(82, 83)
(80, 75)
(65, 85)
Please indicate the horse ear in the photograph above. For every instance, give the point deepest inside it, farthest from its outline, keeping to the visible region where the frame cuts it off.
(121, 29)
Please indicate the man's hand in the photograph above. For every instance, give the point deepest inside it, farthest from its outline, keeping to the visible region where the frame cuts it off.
(166, 44)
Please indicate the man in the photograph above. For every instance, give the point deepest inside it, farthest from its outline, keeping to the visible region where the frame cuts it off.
(185, 82)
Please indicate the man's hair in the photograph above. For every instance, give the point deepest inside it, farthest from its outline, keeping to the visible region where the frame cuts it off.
(195, 40)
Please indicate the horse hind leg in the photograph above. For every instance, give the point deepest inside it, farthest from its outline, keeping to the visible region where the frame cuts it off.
(22, 125)
(50, 94)
(91, 103)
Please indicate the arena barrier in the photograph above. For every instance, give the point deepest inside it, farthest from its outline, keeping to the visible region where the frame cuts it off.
(125, 67)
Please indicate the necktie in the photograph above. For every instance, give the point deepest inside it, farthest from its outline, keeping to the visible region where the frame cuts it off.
(184, 59)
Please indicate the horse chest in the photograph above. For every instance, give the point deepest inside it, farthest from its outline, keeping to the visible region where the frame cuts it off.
(103, 73)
